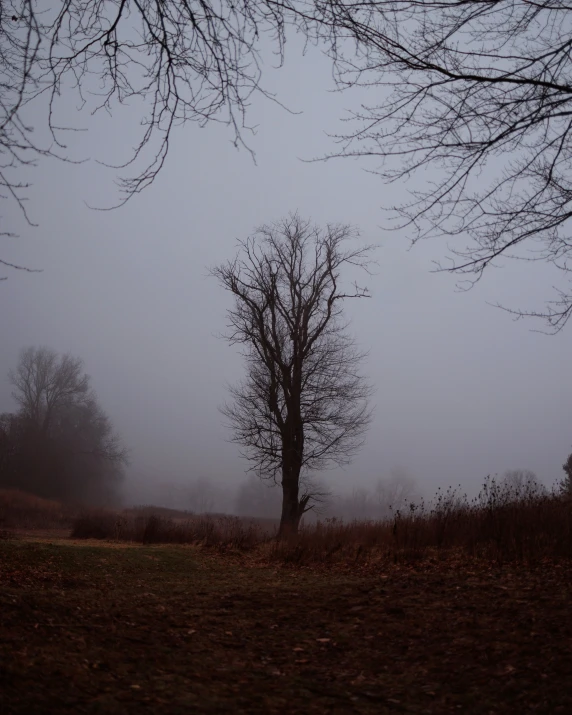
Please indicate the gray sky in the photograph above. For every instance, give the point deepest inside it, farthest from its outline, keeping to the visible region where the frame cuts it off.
(462, 390)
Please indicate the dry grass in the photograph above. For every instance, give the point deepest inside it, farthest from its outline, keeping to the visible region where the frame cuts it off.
(135, 630)
(500, 525)
(162, 511)
(20, 510)
(207, 530)
(458, 607)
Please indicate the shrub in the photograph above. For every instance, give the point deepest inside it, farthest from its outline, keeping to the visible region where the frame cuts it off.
(220, 531)
(95, 526)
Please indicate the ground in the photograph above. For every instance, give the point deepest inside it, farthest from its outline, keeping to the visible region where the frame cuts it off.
(129, 629)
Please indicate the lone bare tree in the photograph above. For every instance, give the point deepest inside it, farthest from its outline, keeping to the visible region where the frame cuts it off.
(303, 404)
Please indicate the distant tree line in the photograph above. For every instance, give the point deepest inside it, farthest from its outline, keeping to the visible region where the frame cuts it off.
(59, 443)
(384, 498)
(258, 498)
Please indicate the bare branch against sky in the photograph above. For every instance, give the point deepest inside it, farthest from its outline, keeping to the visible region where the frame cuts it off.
(478, 93)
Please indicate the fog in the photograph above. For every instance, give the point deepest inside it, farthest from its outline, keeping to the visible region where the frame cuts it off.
(462, 390)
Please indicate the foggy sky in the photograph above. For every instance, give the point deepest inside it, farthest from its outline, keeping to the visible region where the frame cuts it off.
(462, 390)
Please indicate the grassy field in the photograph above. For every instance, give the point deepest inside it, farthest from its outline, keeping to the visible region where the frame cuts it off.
(124, 628)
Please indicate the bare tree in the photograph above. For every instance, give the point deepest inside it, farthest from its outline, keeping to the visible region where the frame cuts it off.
(87, 430)
(476, 104)
(44, 382)
(303, 403)
(201, 496)
(60, 443)
(521, 482)
(566, 483)
(396, 492)
(359, 504)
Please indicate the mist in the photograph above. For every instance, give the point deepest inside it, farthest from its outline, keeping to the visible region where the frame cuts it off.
(462, 390)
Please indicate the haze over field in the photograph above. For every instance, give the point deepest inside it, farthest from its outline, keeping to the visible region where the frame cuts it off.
(462, 391)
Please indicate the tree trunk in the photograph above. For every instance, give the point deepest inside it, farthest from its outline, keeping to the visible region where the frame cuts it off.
(292, 451)
(292, 510)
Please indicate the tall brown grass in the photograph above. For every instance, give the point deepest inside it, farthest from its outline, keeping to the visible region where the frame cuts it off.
(20, 510)
(502, 524)
(220, 531)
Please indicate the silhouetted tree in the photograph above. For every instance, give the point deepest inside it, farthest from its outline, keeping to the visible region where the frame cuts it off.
(566, 483)
(201, 495)
(60, 443)
(303, 403)
(12, 434)
(396, 492)
(359, 504)
(45, 382)
(521, 481)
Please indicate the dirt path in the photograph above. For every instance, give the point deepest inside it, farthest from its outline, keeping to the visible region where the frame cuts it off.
(174, 630)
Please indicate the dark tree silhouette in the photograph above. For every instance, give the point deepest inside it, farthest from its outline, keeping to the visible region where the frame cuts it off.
(60, 443)
(520, 481)
(303, 403)
(566, 483)
(45, 382)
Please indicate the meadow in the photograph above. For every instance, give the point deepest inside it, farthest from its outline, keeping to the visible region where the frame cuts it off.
(458, 610)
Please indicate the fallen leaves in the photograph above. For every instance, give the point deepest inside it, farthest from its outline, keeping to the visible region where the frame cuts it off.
(434, 639)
